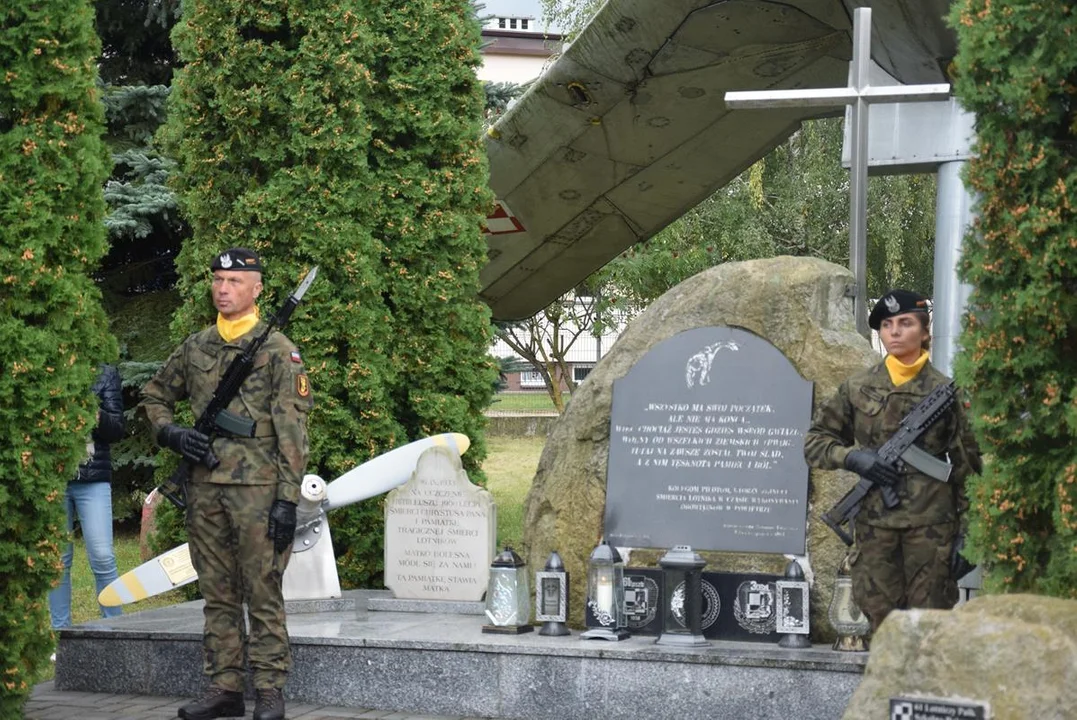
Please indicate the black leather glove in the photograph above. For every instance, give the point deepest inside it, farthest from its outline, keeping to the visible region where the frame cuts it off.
(868, 464)
(281, 524)
(188, 442)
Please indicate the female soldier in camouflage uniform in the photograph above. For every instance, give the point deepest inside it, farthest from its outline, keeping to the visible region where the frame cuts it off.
(241, 514)
(902, 555)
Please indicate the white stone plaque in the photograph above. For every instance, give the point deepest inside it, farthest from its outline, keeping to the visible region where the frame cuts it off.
(440, 532)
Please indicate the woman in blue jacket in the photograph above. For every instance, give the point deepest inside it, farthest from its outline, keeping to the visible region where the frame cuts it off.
(89, 495)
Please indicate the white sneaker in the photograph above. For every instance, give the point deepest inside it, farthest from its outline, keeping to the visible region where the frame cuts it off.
(53, 657)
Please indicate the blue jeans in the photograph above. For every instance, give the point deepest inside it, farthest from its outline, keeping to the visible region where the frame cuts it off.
(93, 503)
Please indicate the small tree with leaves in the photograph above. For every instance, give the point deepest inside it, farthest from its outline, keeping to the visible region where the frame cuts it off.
(53, 331)
(545, 340)
(1017, 70)
(794, 201)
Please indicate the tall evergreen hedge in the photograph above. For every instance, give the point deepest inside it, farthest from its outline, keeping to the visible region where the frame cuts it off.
(53, 330)
(345, 136)
(430, 178)
(1017, 70)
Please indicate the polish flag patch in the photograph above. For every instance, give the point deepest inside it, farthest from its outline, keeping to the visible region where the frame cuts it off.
(501, 221)
(295, 357)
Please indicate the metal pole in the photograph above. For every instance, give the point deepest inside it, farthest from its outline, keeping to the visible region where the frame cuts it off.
(953, 216)
(858, 170)
(858, 95)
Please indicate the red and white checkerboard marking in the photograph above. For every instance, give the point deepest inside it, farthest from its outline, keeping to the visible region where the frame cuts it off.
(502, 222)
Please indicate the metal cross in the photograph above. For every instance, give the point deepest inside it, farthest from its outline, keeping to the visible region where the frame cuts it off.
(858, 95)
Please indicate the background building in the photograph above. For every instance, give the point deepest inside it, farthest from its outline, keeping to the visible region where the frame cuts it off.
(519, 44)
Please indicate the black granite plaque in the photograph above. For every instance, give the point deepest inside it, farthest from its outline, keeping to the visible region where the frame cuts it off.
(643, 600)
(927, 708)
(707, 446)
(710, 607)
(748, 606)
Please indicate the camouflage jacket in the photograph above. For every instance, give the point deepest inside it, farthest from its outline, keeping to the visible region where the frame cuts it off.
(865, 412)
(276, 395)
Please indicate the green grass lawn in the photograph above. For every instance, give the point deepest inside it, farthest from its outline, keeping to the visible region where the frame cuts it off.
(510, 467)
(84, 607)
(523, 402)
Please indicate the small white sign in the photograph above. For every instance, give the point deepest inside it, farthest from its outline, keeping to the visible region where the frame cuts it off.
(929, 708)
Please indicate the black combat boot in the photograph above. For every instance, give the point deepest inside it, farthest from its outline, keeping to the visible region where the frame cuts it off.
(269, 704)
(216, 703)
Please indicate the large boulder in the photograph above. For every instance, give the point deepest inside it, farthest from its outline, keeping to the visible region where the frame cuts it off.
(1017, 653)
(800, 306)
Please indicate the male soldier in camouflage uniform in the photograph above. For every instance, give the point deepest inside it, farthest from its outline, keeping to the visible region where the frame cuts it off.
(902, 556)
(241, 515)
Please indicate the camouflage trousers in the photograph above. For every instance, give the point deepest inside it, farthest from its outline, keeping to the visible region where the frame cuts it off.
(236, 564)
(898, 569)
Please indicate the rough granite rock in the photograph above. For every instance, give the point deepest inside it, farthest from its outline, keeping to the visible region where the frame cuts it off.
(1018, 653)
(799, 305)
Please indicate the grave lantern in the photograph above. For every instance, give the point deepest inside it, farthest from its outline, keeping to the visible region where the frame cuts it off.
(682, 575)
(846, 618)
(508, 595)
(551, 597)
(791, 604)
(605, 611)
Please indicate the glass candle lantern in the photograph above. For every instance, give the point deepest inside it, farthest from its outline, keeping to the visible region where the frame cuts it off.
(682, 573)
(508, 595)
(605, 611)
(551, 597)
(851, 625)
(792, 606)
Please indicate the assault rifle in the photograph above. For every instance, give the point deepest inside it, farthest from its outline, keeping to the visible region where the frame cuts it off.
(216, 416)
(898, 451)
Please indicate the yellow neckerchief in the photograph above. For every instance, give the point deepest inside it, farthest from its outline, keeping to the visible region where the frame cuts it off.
(900, 373)
(232, 329)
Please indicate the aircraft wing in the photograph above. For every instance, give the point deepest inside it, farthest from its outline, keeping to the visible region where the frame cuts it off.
(628, 130)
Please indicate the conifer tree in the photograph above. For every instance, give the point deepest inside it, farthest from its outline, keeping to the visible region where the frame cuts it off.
(136, 65)
(53, 330)
(1017, 70)
(429, 174)
(345, 137)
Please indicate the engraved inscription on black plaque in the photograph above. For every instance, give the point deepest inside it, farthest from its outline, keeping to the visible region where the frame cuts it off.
(749, 608)
(643, 600)
(928, 708)
(710, 607)
(707, 446)
(735, 606)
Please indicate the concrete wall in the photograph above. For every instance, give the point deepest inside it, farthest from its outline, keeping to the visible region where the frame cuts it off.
(520, 425)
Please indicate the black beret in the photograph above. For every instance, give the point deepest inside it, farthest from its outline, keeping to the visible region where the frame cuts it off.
(237, 259)
(896, 302)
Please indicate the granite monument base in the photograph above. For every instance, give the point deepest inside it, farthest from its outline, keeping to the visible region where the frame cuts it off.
(438, 607)
(444, 664)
